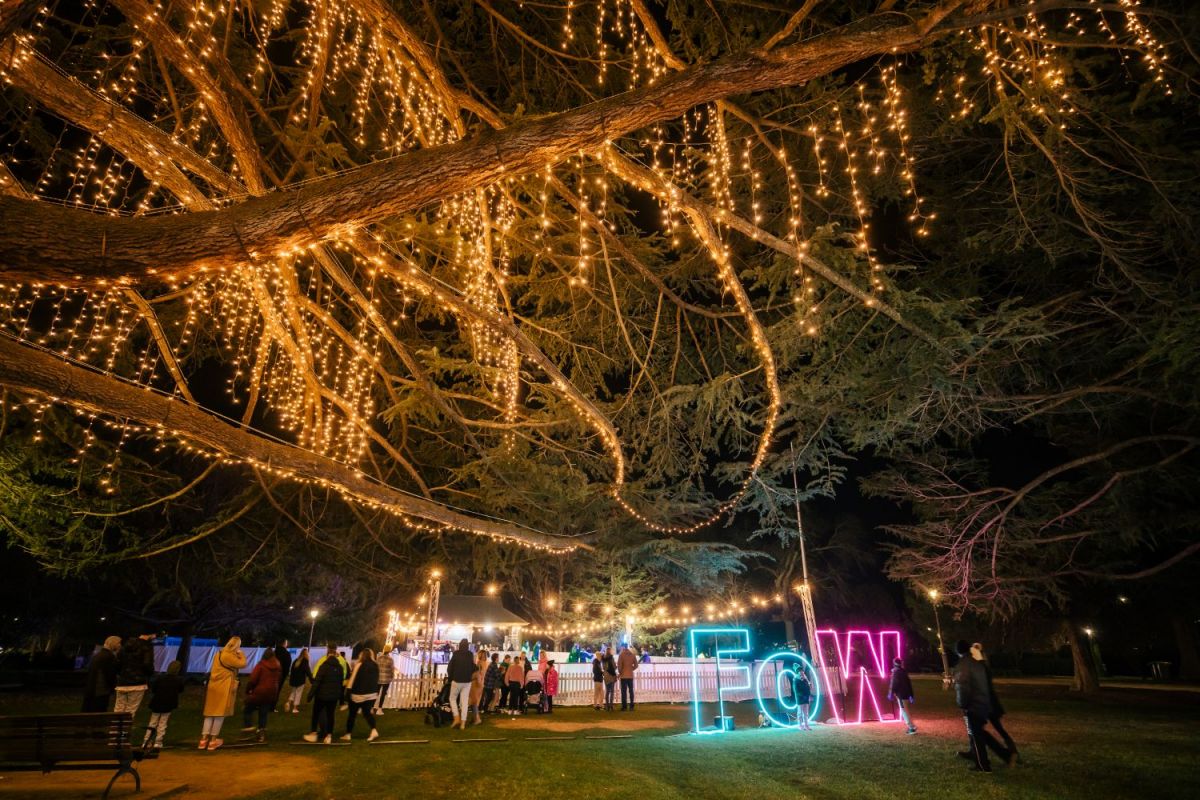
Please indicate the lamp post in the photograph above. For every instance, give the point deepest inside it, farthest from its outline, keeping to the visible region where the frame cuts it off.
(312, 615)
(933, 599)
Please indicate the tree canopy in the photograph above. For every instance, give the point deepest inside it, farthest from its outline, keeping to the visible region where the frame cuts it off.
(518, 278)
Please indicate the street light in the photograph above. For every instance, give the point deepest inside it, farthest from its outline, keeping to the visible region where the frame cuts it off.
(933, 599)
(492, 589)
(313, 614)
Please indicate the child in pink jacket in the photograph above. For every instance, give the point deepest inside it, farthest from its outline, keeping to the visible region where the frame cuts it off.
(551, 688)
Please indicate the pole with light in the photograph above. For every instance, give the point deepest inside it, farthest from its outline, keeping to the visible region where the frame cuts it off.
(312, 615)
(933, 599)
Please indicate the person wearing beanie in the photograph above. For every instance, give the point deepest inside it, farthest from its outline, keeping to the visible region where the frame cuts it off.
(971, 694)
(901, 690)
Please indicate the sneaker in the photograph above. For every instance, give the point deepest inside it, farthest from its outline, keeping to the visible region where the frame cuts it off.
(260, 736)
(911, 731)
(373, 735)
(343, 707)
(295, 711)
(213, 744)
(379, 713)
(345, 737)
(328, 738)
(203, 743)
(248, 729)
(310, 737)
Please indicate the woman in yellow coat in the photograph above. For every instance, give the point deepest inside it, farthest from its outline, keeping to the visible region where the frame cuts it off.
(222, 691)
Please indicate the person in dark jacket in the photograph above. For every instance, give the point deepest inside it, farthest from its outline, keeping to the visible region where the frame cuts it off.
(101, 676)
(285, 666)
(364, 690)
(971, 694)
(597, 681)
(491, 679)
(325, 693)
(134, 671)
(298, 675)
(997, 710)
(165, 690)
(460, 670)
(504, 665)
(261, 693)
(901, 690)
(610, 678)
(802, 693)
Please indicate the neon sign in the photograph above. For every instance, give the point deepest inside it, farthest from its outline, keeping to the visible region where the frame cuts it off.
(849, 647)
(789, 673)
(743, 637)
(881, 648)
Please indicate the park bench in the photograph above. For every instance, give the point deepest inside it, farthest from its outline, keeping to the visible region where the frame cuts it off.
(73, 742)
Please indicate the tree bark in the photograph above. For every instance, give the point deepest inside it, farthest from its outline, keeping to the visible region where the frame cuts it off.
(1086, 678)
(30, 370)
(1184, 628)
(42, 242)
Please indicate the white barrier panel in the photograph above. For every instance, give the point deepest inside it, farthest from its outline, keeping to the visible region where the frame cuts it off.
(652, 683)
(200, 659)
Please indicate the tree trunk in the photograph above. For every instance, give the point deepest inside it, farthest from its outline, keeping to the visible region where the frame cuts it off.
(1086, 677)
(185, 645)
(47, 243)
(1184, 628)
(29, 370)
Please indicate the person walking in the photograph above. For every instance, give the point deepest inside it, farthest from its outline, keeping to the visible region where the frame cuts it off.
(136, 668)
(165, 690)
(627, 664)
(997, 710)
(101, 677)
(460, 671)
(515, 676)
(364, 691)
(610, 678)
(325, 692)
(221, 694)
(900, 689)
(491, 679)
(550, 690)
(503, 682)
(285, 667)
(971, 694)
(298, 675)
(475, 697)
(262, 690)
(597, 681)
(387, 671)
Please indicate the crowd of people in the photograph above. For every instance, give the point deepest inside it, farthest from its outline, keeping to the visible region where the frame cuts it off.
(476, 683)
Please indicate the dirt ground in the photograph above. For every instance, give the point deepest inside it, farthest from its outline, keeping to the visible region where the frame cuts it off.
(625, 724)
(257, 771)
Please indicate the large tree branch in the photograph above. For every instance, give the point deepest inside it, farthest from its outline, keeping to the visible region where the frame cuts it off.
(30, 370)
(105, 248)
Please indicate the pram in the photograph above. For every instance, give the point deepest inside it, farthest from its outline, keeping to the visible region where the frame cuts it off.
(439, 713)
(533, 695)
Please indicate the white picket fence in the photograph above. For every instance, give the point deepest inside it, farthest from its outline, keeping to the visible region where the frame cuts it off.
(653, 683)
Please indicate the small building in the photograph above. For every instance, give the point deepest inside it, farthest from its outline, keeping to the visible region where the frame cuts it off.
(476, 616)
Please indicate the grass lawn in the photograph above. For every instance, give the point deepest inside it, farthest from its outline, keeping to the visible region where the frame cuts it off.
(1125, 744)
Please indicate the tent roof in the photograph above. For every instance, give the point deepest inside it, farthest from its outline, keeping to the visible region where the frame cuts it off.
(475, 609)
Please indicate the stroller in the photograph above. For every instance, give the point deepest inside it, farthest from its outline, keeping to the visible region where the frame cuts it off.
(533, 695)
(439, 713)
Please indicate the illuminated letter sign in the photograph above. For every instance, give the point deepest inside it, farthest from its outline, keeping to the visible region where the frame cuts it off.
(791, 664)
(879, 648)
(742, 636)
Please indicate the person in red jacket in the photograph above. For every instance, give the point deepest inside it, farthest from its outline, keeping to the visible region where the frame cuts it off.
(262, 692)
(551, 689)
